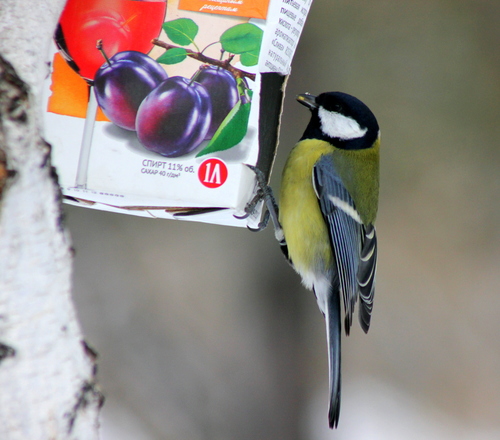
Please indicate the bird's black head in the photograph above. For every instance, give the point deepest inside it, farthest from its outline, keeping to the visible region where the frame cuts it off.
(340, 119)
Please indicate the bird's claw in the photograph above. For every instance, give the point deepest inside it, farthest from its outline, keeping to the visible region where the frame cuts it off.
(250, 207)
(262, 225)
(264, 192)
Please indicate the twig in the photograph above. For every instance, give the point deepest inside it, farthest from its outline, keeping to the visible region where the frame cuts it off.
(238, 73)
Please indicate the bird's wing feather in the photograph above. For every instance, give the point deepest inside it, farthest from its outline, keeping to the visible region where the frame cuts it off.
(345, 229)
(366, 276)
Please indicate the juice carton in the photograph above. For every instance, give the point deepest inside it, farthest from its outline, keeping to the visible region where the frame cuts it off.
(154, 108)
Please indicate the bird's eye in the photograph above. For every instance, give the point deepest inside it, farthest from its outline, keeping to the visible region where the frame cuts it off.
(337, 108)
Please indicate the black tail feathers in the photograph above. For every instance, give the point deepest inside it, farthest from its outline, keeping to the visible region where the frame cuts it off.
(333, 328)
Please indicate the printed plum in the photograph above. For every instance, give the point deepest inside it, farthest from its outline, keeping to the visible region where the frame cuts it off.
(175, 117)
(122, 83)
(223, 91)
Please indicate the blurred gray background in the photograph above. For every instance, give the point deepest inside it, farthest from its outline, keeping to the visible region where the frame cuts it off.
(205, 332)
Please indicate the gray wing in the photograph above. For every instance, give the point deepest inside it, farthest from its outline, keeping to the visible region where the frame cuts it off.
(346, 232)
(354, 247)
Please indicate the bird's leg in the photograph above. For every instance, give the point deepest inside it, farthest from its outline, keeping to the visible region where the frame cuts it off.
(264, 192)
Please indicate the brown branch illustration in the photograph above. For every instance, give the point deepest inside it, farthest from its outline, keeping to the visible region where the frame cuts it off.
(238, 73)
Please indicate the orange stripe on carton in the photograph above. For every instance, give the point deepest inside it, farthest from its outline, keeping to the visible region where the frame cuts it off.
(240, 8)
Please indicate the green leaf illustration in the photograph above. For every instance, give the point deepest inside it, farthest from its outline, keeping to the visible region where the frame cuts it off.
(250, 58)
(242, 38)
(181, 31)
(173, 56)
(232, 130)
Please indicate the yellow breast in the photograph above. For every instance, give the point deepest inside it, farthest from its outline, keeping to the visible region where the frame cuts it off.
(300, 216)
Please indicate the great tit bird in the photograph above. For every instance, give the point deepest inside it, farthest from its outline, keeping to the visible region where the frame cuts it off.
(327, 209)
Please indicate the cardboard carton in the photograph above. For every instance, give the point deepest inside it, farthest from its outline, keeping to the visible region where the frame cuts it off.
(173, 142)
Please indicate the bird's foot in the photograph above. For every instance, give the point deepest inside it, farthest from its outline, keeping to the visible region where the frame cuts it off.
(264, 192)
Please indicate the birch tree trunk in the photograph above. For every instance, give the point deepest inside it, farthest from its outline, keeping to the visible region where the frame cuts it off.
(47, 383)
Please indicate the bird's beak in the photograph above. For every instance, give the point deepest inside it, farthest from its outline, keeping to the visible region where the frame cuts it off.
(308, 100)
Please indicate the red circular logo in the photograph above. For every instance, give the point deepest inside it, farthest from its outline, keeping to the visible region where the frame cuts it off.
(212, 173)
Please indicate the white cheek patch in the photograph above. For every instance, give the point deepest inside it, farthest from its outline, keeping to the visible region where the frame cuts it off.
(339, 126)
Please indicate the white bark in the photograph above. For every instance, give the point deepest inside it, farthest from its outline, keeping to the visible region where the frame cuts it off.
(47, 384)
